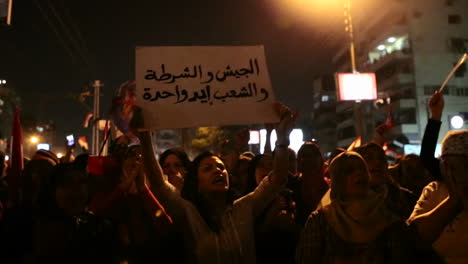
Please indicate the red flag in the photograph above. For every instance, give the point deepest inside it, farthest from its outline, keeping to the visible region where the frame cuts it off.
(87, 119)
(389, 121)
(356, 144)
(16, 155)
(83, 142)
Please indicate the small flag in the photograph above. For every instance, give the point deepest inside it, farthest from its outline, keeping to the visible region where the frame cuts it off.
(87, 119)
(83, 142)
(389, 121)
(356, 144)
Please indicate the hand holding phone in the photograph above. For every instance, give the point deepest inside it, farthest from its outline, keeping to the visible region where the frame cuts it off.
(70, 141)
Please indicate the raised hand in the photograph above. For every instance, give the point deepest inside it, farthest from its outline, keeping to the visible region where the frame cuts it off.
(381, 135)
(436, 105)
(286, 124)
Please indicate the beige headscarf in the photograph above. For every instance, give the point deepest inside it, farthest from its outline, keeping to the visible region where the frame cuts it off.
(355, 220)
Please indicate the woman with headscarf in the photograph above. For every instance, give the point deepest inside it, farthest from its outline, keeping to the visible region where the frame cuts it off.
(356, 227)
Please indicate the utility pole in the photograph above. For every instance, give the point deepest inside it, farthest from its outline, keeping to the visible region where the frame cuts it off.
(96, 117)
(358, 111)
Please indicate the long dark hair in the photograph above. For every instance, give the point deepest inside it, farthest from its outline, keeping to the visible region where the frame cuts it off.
(179, 153)
(190, 191)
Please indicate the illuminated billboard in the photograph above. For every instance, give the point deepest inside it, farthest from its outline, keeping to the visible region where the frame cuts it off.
(356, 86)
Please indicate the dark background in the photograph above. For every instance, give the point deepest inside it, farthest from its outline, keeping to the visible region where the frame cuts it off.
(55, 48)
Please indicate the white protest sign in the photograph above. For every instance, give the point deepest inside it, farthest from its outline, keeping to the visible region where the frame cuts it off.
(180, 87)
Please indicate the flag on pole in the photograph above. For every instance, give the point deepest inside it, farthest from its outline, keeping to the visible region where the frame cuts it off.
(16, 155)
(87, 119)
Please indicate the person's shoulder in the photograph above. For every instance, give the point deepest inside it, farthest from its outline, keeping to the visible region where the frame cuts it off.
(436, 187)
(317, 216)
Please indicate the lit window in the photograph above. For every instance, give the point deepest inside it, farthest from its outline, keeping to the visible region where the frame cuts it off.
(325, 98)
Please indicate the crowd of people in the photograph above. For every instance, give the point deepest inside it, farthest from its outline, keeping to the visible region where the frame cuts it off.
(134, 206)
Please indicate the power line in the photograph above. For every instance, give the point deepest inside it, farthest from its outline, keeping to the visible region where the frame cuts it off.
(54, 29)
(76, 29)
(68, 34)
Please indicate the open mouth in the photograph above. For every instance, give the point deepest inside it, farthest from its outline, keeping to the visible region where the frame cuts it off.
(219, 180)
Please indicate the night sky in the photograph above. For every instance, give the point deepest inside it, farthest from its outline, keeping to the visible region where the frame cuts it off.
(55, 47)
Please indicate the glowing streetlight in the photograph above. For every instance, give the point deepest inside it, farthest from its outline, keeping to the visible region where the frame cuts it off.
(34, 139)
(457, 122)
(59, 155)
(391, 40)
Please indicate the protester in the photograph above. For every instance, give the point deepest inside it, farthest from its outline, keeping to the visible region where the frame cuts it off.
(66, 232)
(237, 166)
(276, 231)
(357, 226)
(175, 164)
(431, 134)
(399, 199)
(310, 186)
(454, 163)
(219, 229)
(411, 173)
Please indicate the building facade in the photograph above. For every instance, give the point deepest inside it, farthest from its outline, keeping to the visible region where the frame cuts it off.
(411, 46)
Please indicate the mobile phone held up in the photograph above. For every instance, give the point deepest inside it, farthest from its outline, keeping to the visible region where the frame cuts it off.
(70, 141)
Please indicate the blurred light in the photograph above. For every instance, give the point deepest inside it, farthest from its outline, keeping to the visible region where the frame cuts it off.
(59, 155)
(39, 129)
(356, 86)
(391, 39)
(7, 158)
(102, 124)
(44, 146)
(325, 98)
(2, 81)
(457, 122)
(416, 149)
(381, 47)
(254, 137)
(34, 139)
(296, 139)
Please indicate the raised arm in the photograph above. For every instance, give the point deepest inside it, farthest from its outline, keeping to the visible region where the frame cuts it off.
(161, 189)
(281, 159)
(153, 170)
(431, 133)
(431, 224)
(271, 185)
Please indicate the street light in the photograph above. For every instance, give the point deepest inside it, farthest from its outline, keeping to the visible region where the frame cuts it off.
(34, 139)
(391, 40)
(457, 122)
